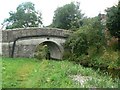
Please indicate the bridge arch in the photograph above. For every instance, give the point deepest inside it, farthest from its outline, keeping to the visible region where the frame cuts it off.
(21, 42)
(55, 49)
(28, 44)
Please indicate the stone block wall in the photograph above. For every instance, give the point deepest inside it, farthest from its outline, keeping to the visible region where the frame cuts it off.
(11, 35)
(5, 49)
(27, 50)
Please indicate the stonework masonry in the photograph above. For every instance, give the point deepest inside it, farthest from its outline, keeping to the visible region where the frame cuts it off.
(27, 39)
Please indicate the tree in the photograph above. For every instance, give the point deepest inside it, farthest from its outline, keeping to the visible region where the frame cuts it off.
(113, 21)
(67, 17)
(89, 36)
(25, 16)
(75, 46)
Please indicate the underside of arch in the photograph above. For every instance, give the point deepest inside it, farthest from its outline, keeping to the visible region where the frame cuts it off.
(55, 51)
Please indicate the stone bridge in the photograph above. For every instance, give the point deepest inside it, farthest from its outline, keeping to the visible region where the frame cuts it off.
(23, 42)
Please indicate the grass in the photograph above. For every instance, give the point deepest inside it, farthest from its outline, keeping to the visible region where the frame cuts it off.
(0, 73)
(33, 73)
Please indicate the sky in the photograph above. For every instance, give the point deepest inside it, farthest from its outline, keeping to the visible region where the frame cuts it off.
(90, 8)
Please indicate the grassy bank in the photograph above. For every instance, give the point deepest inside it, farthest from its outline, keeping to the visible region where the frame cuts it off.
(0, 72)
(32, 73)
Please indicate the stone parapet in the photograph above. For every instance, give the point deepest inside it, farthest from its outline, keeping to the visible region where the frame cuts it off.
(11, 34)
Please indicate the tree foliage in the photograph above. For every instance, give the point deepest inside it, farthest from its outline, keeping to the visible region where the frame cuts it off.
(89, 35)
(87, 46)
(25, 16)
(68, 17)
(78, 43)
(113, 20)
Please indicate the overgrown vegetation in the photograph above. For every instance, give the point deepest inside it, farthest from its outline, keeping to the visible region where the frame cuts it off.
(41, 52)
(89, 46)
(33, 73)
(113, 21)
(0, 72)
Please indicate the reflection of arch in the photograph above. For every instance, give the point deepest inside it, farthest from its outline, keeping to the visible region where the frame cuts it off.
(55, 50)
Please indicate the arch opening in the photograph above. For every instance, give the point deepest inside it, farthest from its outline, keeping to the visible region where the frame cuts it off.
(54, 51)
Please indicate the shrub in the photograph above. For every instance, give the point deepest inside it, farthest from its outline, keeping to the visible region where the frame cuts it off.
(88, 46)
(76, 44)
(41, 51)
(66, 54)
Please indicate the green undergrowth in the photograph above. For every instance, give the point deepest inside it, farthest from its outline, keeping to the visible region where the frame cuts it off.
(33, 73)
(0, 72)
